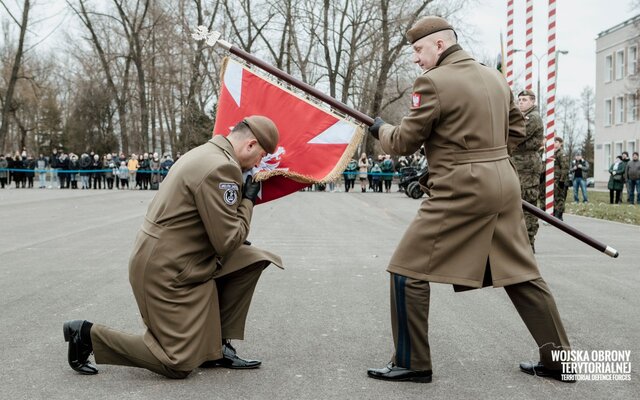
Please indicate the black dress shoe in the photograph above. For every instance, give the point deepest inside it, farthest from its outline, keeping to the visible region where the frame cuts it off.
(231, 360)
(399, 374)
(79, 350)
(540, 370)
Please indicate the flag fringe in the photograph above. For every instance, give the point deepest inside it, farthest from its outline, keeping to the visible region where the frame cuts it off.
(347, 155)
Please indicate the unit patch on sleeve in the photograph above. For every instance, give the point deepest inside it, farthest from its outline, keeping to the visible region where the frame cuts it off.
(230, 192)
(416, 99)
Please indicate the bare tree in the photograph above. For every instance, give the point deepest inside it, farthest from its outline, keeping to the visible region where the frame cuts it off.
(118, 92)
(7, 100)
(587, 103)
(567, 121)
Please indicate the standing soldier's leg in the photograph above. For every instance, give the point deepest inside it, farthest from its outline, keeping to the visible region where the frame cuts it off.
(538, 310)
(410, 326)
(529, 184)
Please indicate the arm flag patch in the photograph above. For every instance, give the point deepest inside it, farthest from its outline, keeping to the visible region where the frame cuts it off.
(416, 99)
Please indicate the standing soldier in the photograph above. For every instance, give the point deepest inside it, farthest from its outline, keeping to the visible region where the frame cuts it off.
(561, 178)
(470, 231)
(527, 159)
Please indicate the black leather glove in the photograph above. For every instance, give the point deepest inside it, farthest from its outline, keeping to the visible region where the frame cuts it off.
(251, 189)
(375, 128)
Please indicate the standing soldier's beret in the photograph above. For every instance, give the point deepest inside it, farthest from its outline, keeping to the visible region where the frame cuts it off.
(264, 130)
(527, 92)
(426, 26)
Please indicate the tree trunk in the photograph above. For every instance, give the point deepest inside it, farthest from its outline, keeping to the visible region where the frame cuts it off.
(7, 107)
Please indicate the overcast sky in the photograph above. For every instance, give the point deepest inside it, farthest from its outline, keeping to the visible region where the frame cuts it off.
(578, 23)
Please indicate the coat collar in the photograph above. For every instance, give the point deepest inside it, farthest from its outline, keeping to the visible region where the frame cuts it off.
(530, 110)
(453, 55)
(223, 143)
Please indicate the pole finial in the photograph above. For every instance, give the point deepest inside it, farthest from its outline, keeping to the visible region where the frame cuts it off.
(212, 38)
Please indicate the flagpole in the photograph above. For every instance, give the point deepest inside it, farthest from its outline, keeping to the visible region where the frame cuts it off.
(213, 38)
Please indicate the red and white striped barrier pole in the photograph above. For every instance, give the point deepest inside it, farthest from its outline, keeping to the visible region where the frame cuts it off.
(551, 104)
(528, 80)
(509, 66)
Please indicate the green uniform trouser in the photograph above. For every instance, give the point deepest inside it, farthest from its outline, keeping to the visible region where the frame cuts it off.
(235, 291)
(559, 197)
(529, 188)
(410, 326)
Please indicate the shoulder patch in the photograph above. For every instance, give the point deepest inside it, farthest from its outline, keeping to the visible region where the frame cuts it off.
(230, 192)
(416, 100)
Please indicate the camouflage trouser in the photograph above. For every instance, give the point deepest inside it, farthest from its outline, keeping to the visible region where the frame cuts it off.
(559, 197)
(541, 193)
(529, 187)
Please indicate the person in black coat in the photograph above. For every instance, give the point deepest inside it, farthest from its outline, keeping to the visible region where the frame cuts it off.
(96, 166)
(18, 173)
(30, 165)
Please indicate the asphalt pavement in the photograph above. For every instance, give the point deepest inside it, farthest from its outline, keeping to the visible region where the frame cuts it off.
(319, 324)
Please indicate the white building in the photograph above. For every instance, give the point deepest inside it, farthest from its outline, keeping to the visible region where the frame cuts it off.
(617, 125)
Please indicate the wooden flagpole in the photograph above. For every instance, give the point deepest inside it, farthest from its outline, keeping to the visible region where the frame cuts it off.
(213, 38)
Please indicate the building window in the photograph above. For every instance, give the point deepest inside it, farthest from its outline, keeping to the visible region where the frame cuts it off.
(606, 157)
(618, 149)
(619, 64)
(632, 107)
(608, 68)
(619, 110)
(632, 60)
(631, 147)
(608, 113)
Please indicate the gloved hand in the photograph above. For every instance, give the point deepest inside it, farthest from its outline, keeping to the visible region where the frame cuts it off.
(251, 189)
(373, 129)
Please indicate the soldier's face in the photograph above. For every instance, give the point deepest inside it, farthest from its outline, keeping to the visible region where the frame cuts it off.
(250, 154)
(426, 52)
(525, 103)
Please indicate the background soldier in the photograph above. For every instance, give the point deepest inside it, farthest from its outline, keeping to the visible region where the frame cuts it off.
(561, 178)
(527, 159)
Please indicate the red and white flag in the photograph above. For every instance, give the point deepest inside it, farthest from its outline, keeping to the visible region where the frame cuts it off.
(315, 144)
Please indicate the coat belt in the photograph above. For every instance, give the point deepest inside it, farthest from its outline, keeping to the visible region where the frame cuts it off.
(480, 155)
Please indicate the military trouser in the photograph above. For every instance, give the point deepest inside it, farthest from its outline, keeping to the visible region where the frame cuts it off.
(235, 291)
(410, 314)
(529, 189)
(559, 197)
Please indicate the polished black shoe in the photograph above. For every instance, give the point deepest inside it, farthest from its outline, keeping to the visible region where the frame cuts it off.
(540, 370)
(394, 373)
(231, 360)
(79, 350)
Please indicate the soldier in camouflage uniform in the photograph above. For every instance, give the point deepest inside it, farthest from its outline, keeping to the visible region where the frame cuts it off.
(561, 178)
(527, 159)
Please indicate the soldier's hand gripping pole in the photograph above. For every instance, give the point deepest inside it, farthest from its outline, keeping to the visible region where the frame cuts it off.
(213, 38)
(610, 251)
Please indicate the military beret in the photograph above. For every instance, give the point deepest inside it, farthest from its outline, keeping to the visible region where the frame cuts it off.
(264, 130)
(527, 92)
(426, 26)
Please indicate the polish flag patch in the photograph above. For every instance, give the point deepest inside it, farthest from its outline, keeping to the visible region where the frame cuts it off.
(416, 100)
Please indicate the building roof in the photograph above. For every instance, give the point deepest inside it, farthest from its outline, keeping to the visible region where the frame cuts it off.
(632, 20)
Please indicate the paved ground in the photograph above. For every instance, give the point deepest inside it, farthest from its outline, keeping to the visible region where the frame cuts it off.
(319, 324)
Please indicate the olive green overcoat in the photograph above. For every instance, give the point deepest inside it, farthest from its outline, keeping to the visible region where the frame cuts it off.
(193, 232)
(465, 116)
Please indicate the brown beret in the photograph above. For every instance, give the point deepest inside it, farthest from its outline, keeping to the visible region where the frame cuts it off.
(527, 92)
(264, 130)
(426, 26)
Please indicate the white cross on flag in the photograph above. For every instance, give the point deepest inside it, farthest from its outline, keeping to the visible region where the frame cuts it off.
(315, 144)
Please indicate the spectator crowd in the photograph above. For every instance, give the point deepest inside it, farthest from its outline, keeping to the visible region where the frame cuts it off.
(63, 170)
